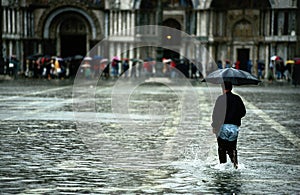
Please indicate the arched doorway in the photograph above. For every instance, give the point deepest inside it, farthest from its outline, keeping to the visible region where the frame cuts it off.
(67, 31)
(73, 37)
(242, 34)
(172, 39)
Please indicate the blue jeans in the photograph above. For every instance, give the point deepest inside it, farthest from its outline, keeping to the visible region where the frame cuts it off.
(227, 140)
(229, 132)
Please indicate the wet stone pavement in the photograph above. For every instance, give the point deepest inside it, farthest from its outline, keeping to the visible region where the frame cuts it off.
(159, 150)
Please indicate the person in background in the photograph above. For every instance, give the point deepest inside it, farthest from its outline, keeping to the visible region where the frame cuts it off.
(287, 72)
(237, 65)
(220, 65)
(249, 66)
(228, 111)
(271, 71)
(278, 69)
(260, 69)
(115, 67)
(125, 67)
(227, 64)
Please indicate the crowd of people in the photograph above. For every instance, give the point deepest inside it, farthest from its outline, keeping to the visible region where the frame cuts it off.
(51, 67)
(136, 68)
(277, 69)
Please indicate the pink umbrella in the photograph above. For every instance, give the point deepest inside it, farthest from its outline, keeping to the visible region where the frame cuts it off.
(116, 58)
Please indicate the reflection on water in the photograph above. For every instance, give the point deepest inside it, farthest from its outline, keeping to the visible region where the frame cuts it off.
(226, 182)
(53, 156)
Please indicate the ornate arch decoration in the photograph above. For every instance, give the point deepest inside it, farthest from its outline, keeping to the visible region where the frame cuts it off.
(243, 29)
(66, 6)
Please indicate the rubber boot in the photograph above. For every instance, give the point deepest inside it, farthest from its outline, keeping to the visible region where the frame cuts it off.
(234, 159)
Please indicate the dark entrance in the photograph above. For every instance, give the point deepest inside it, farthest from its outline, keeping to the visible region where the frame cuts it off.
(73, 35)
(171, 38)
(243, 57)
(72, 45)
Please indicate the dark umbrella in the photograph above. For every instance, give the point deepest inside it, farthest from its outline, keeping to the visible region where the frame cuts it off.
(235, 76)
(34, 56)
(78, 57)
(261, 61)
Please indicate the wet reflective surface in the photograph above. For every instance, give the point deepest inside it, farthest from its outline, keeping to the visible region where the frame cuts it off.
(158, 153)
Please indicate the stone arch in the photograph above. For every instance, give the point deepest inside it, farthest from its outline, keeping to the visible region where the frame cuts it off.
(172, 23)
(51, 17)
(171, 38)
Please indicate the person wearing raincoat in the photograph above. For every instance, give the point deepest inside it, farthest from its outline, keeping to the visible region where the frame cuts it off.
(226, 119)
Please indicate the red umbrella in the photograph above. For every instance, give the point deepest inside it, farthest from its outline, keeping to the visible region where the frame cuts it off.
(276, 58)
(297, 61)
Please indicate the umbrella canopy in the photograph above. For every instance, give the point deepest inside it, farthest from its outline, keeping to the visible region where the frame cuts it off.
(235, 76)
(276, 58)
(78, 57)
(136, 60)
(96, 57)
(149, 59)
(167, 60)
(85, 65)
(34, 56)
(290, 62)
(261, 61)
(59, 59)
(104, 60)
(87, 58)
(116, 58)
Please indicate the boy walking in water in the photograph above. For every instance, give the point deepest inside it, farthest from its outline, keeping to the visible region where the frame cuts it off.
(226, 119)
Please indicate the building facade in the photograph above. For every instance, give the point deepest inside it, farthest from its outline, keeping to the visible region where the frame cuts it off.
(229, 30)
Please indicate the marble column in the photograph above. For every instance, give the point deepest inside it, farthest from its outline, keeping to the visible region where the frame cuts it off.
(4, 20)
(8, 21)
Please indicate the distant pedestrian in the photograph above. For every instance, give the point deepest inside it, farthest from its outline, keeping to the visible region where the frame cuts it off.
(237, 65)
(220, 65)
(282, 68)
(287, 72)
(271, 71)
(226, 119)
(125, 67)
(227, 64)
(278, 69)
(260, 69)
(249, 66)
(115, 67)
(13, 66)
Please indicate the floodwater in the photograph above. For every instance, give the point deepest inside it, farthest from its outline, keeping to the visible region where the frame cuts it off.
(161, 144)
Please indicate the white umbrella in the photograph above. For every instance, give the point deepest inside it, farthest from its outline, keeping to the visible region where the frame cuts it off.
(87, 58)
(85, 65)
(167, 60)
(105, 60)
